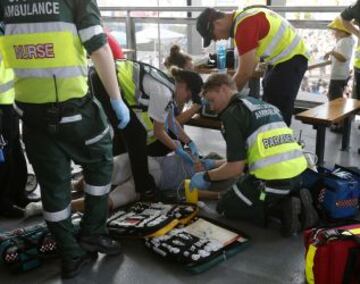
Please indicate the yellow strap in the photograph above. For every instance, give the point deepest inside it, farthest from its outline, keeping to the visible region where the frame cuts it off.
(352, 231)
(41, 50)
(164, 230)
(309, 264)
(187, 219)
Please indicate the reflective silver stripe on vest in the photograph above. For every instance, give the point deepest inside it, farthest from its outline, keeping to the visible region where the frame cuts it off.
(287, 50)
(155, 75)
(18, 110)
(251, 106)
(251, 140)
(58, 216)
(97, 190)
(275, 159)
(245, 14)
(30, 28)
(277, 191)
(276, 39)
(241, 196)
(7, 86)
(143, 101)
(98, 137)
(70, 119)
(61, 72)
(254, 107)
(88, 33)
(136, 80)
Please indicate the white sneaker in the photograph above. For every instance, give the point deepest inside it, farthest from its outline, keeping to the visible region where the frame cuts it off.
(33, 209)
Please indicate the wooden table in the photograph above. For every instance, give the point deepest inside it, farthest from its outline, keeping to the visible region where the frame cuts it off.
(327, 114)
(205, 122)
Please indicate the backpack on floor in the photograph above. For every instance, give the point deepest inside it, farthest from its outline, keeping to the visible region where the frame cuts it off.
(333, 255)
(24, 249)
(336, 192)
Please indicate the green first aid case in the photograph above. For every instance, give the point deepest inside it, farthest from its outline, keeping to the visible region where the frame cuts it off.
(200, 245)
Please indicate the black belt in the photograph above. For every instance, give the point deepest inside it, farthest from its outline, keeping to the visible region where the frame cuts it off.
(49, 114)
(282, 183)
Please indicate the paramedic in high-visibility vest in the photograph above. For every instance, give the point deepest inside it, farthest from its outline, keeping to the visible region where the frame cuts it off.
(260, 33)
(351, 19)
(152, 96)
(46, 43)
(262, 151)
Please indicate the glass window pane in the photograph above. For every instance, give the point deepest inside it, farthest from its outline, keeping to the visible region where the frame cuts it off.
(318, 2)
(148, 43)
(118, 31)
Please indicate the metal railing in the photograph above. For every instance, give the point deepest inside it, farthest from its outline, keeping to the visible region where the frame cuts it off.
(130, 20)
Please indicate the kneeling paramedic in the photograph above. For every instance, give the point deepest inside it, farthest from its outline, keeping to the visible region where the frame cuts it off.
(62, 122)
(257, 138)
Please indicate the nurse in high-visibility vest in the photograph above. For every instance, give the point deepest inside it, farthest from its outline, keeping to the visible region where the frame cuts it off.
(262, 151)
(45, 43)
(260, 33)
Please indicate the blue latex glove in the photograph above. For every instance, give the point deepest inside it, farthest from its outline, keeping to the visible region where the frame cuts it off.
(122, 112)
(194, 149)
(183, 155)
(208, 164)
(198, 181)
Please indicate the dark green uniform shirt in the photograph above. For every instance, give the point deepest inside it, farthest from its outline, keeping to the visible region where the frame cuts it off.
(83, 13)
(239, 123)
(352, 12)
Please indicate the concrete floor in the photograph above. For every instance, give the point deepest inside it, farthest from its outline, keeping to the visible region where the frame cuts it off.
(269, 259)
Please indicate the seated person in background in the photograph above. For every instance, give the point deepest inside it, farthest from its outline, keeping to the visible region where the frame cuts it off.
(257, 137)
(169, 172)
(182, 60)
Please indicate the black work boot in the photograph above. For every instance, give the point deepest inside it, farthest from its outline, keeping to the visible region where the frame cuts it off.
(100, 243)
(72, 267)
(290, 211)
(309, 217)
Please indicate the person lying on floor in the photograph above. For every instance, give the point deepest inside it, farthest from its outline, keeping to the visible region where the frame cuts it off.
(169, 172)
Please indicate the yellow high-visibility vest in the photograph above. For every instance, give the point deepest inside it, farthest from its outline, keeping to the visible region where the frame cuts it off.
(357, 57)
(128, 74)
(7, 93)
(49, 62)
(272, 152)
(281, 43)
